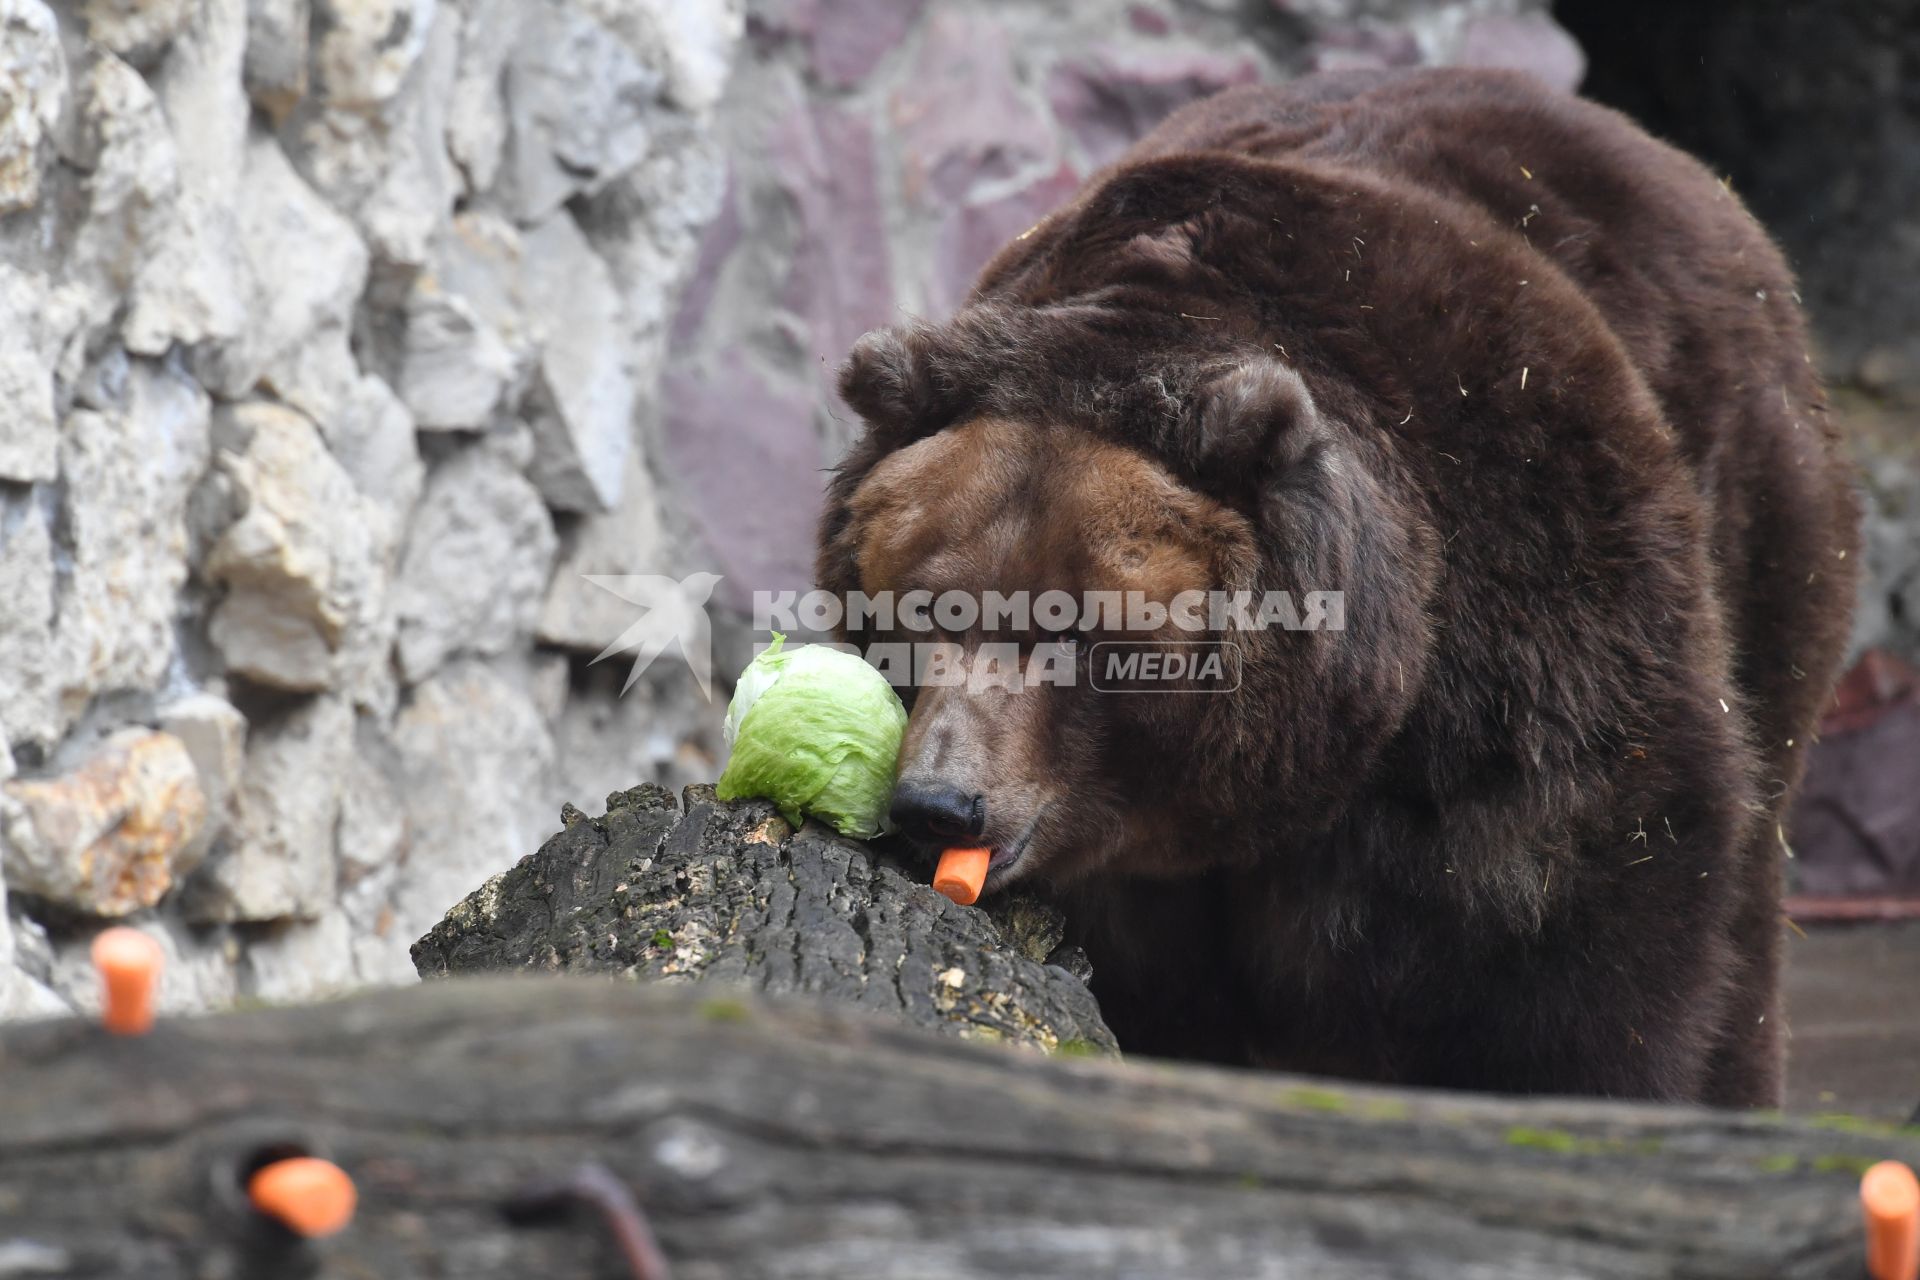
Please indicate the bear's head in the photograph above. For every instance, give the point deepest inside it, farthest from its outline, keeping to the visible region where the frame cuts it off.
(1162, 605)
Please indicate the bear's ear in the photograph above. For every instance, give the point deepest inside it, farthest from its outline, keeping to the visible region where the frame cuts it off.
(889, 379)
(1254, 426)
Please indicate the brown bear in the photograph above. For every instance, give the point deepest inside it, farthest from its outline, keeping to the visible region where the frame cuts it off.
(1530, 390)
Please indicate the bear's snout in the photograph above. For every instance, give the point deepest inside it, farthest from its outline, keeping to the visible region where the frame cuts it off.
(936, 812)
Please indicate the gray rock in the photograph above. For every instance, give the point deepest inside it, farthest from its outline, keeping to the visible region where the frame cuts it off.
(29, 431)
(128, 477)
(196, 287)
(298, 960)
(22, 994)
(576, 614)
(31, 710)
(367, 47)
(190, 291)
(373, 843)
(371, 139)
(372, 833)
(32, 947)
(307, 269)
(532, 325)
(145, 237)
(465, 344)
(477, 558)
(417, 189)
(456, 367)
(111, 835)
(647, 226)
(578, 103)
(278, 860)
(366, 428)
(263, 639)
(35, 73)
(275, 70)
(200, 89)
(477, 114)
(137, 30)
(1888, 612)
(301, 565)
(476, 771)
(691, 42)
(550, 681)
(660, 730)
(583, 404)
(214, 734)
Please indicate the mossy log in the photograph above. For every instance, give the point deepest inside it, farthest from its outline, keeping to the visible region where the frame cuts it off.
(691, 888)
(778, 1138)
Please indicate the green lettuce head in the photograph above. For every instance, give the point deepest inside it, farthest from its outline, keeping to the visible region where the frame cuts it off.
(817, 731)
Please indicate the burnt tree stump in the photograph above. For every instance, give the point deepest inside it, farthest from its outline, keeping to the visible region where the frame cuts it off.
(777, 1139)
(692, 888)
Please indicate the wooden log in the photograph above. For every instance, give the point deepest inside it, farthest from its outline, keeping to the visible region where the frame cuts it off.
(770, 1138)
(682, 889)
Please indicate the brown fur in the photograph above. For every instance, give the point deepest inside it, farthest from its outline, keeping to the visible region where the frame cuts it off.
(1531, 389)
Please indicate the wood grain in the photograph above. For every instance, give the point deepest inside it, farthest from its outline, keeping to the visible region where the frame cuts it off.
(774, 1138)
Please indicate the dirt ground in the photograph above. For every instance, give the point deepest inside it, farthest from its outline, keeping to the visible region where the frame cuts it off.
(1853, 1007)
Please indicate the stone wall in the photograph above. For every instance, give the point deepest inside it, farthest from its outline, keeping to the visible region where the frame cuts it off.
(330, 341)
(881, 150)
(340, 338)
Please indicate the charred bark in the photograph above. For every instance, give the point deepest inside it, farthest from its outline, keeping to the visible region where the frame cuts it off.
(697, 889)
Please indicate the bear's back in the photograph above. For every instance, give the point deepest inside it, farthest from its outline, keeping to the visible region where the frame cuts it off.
(1690, 285)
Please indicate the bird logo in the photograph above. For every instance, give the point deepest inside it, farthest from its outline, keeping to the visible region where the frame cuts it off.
(672, 613)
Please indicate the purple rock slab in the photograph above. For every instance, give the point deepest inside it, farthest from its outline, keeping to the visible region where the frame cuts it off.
(974, 233)
(742, 452)
(840, 280)
(960, 116)
(1111, 97)
(850, 37)
(1524, 42)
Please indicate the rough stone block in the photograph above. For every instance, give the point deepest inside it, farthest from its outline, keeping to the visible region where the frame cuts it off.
(112, 834)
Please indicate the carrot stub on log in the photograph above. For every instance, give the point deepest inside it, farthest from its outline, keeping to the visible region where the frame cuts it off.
(962, 874)
(1890, 1195)
(309, 1196)
(129, 964)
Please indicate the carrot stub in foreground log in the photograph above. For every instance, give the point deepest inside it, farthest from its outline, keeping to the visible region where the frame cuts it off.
(307, 1195)
(962, 874)
(129, 963)
(1890, 1195)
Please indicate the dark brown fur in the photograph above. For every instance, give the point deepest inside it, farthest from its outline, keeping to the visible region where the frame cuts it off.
(1531, 389)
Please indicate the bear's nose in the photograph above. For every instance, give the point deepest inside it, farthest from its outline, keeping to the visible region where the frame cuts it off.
(937, 811)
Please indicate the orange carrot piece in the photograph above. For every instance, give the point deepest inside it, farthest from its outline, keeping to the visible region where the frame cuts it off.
(129, 964)
(307, 1195)
(1890, 1195)
(962, 874)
